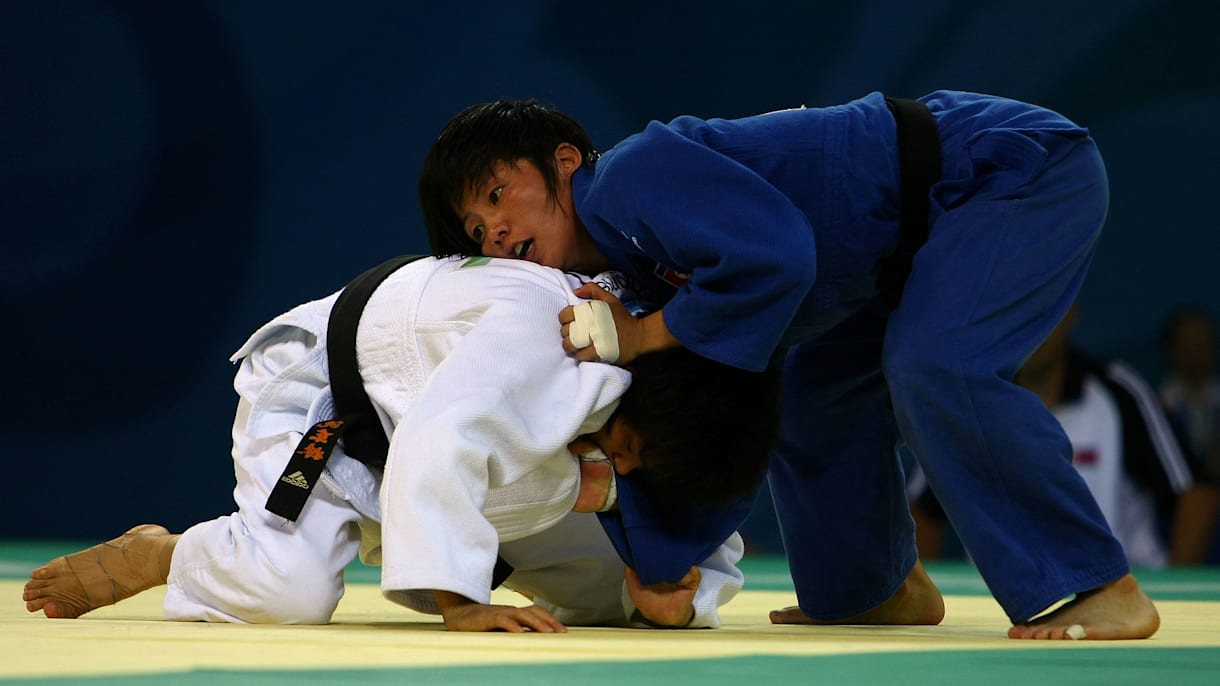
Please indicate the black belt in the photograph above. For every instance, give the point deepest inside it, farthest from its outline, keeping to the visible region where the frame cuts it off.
(355, 422)
(918, 169)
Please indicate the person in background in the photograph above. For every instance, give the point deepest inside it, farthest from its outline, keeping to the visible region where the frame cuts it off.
(1191, 390)
(1123, 446)
(1191, 393)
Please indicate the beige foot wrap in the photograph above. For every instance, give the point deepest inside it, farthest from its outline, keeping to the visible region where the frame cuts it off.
(104, 574)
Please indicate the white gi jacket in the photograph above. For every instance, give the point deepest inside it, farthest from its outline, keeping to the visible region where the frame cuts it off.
(463, 362)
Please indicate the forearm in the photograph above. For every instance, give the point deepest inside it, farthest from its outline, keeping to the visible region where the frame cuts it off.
(654, 334)
(447, 600)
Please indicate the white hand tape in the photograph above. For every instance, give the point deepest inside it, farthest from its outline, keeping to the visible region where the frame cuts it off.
(594, 325)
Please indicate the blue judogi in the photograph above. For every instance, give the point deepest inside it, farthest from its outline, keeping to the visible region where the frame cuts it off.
(763, 237)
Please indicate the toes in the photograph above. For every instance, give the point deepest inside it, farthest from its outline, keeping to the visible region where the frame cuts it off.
(789, 615)
(61, 610)
(1038, 632)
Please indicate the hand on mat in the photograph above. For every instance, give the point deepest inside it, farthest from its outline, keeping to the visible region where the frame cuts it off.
(582, 339)
(463, 614)
(665, 605)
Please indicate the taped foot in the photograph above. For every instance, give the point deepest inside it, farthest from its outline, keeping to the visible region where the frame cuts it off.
(69, 586)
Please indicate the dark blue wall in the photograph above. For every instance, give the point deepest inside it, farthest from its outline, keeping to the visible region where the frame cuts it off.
(174, 173)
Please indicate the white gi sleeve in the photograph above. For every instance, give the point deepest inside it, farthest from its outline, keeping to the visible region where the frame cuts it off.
(502, 404)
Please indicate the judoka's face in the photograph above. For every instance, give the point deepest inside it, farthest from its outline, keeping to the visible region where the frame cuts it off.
(514, 215)
(621, 444)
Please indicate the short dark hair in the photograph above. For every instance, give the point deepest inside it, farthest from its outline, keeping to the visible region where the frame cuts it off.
(707, 429)
(463, 156)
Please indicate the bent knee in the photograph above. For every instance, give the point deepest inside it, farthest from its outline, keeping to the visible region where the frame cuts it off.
(263, 597)
(296, 597)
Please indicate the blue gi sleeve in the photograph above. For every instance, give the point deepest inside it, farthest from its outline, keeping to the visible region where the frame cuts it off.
(661, 542)
(748, 249)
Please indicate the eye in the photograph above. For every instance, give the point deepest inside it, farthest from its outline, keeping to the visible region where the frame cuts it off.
(477, 234)
(495, 194)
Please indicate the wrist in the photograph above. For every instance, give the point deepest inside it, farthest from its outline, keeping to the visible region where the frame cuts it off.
(446, 600)
(655, 335)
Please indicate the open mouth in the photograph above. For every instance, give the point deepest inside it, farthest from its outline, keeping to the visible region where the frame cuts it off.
(523, 248)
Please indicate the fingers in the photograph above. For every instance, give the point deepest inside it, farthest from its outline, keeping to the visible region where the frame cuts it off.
(533, 618)
(664, 605)
(592, 291)
(478, 617)
(540, 620)
(594, 327)
(586, 354)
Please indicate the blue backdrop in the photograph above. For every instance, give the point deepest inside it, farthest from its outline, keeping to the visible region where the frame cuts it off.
(172, 174)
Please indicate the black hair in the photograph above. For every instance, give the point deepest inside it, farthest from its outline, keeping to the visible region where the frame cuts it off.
(706, 428)
(463, 156)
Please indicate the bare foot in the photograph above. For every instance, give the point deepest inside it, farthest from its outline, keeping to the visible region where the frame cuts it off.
(1118, 610)
(68, 587)
(917, 601)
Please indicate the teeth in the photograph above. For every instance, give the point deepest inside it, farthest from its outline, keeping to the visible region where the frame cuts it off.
(523, 247)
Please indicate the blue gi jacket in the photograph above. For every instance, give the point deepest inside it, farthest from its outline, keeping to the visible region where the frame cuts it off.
(778, 220)
(763, 232)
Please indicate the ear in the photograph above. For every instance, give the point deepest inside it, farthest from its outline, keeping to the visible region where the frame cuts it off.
(568, 159)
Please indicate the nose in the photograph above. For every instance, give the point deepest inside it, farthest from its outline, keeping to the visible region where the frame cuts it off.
(495, 239)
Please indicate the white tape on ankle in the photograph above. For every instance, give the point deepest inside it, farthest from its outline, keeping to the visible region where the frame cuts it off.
(594, 324)
(1075, 632)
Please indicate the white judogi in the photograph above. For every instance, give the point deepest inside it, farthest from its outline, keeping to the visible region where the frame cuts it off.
(462, 359)
(1095, 423)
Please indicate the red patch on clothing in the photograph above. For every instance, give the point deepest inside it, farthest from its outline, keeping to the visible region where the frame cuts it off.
(1085, 456)
(670, 275)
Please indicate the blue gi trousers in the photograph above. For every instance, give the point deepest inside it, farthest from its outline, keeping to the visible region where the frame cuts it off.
(1010, 243)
